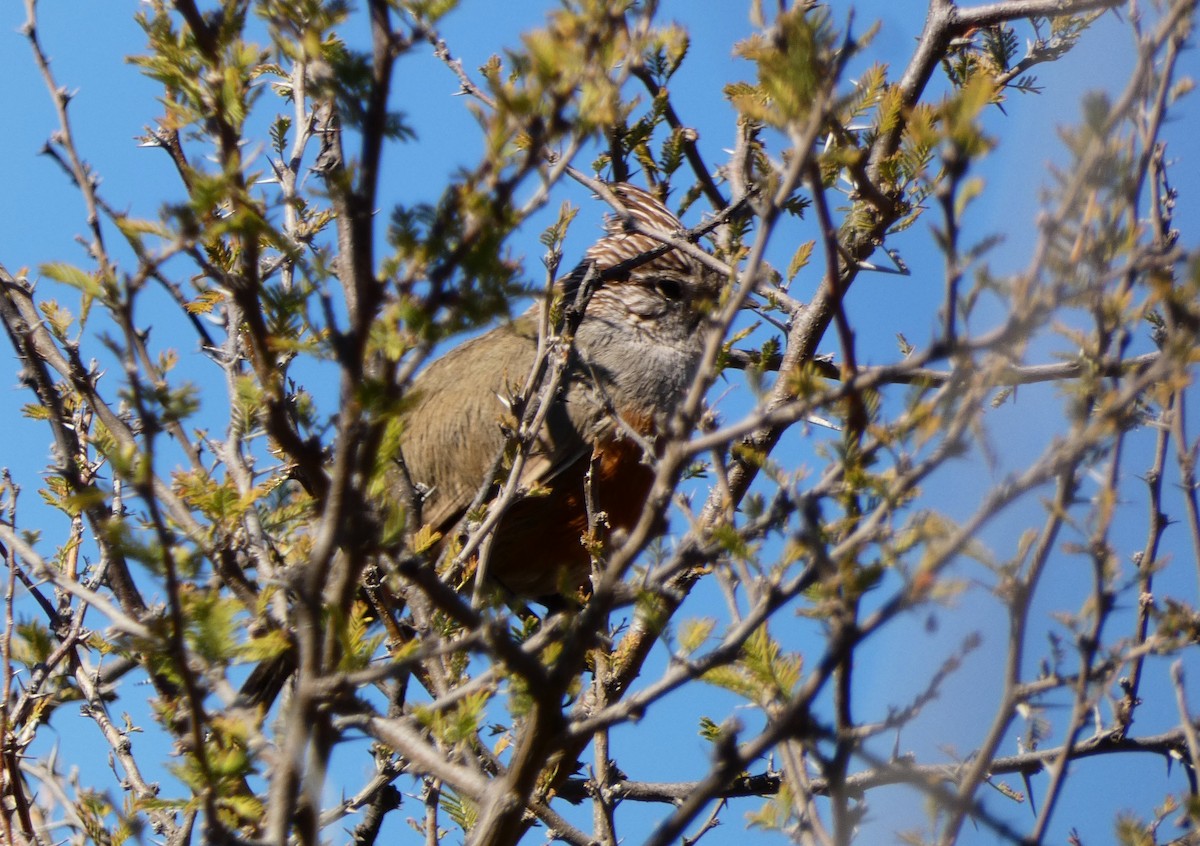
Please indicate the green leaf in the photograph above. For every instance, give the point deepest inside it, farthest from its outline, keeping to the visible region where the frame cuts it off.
(71, 275)
(800, 259)
(694, 632)
(735, 681)
(213, 625)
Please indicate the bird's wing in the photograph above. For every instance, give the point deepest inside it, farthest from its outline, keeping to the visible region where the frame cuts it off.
(453, 432)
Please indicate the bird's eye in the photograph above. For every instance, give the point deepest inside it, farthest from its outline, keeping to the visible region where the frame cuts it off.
(670, 289)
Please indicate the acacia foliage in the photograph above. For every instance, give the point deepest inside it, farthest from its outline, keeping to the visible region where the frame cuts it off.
(236, 542)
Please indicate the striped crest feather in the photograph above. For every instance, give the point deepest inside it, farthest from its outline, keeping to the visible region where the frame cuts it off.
(621, 243)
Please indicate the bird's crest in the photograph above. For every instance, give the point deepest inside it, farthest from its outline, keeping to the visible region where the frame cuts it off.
(622, 243)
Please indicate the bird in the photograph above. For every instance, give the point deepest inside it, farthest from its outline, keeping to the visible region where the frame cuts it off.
(635, 354)
(636, 350)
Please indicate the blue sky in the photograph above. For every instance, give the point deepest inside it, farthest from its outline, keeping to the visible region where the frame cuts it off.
(41, 215)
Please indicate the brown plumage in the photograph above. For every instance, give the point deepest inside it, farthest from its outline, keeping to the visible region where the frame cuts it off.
(635, 352)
